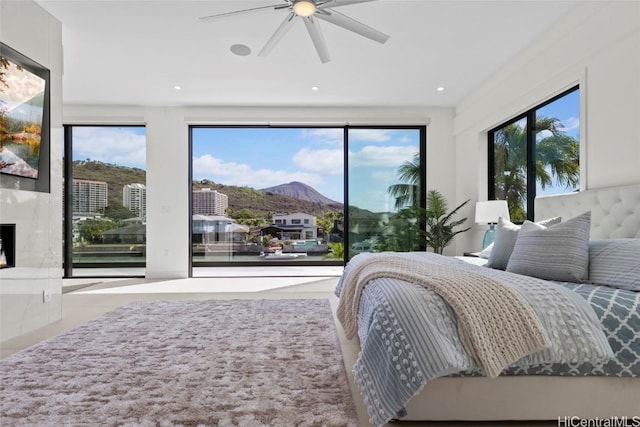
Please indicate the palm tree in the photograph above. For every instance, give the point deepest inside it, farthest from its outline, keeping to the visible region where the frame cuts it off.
(556, 162)
(407, 192)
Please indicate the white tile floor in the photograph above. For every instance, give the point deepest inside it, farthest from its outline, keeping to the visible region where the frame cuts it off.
(94, 297)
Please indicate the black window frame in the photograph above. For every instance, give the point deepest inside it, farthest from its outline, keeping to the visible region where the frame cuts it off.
(68, 265)
(422, 129)
(530, 116)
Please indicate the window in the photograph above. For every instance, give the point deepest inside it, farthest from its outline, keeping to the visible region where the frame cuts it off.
(386, 188)
(536, 153)
(105, 200)
(304, 195)
(273, 178)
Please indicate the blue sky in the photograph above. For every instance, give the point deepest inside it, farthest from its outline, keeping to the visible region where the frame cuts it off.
(567, 110)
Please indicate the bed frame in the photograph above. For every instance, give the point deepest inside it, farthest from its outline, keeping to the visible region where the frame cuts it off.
(615, 213)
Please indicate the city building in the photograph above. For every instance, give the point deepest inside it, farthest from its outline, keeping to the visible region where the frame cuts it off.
(89, 197)
(209, 202)
(134, 198)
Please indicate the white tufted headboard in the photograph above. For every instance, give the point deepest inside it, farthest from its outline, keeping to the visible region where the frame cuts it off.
(615, 211)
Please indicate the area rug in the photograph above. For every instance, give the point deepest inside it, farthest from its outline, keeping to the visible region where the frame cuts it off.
(185, 363)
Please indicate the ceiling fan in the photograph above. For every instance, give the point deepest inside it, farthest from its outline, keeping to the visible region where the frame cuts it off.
(310, 11)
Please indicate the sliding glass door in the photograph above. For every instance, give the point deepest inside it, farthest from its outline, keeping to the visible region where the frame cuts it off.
(276, 195)
(105, 201)
(386, 182)
(267, 195)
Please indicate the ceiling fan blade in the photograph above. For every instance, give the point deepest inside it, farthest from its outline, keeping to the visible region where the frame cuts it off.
(351, 24)
(212, 18)
(337, 3)
(277, 36)
(313, 27)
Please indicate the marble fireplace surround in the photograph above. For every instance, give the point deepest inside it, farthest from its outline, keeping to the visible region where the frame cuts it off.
(30, 30)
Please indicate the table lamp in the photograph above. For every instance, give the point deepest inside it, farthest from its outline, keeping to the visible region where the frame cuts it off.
(488, 212)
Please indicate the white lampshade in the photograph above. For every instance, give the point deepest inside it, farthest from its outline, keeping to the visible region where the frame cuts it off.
(304, 7)
(488, 212)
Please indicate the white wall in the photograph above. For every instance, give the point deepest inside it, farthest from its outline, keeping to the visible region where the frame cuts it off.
(596, 46)
(27, 28)
(168, 158)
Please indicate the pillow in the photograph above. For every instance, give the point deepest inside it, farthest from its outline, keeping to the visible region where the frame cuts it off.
(486, 252)
(615, 263)
(505, 240)
(559, 252)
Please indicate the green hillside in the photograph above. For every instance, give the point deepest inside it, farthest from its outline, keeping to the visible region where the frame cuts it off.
(265, 203)
(116, 176)
(240, 198)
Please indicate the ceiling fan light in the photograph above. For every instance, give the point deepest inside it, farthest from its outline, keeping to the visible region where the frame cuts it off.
(304, 7)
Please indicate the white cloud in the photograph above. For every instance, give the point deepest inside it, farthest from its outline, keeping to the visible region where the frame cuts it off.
(572, 123)
(120, 146)
(370, 135)
(329, 136)
(371, 155)
(325, 161)
(240, 174)
(22, 85)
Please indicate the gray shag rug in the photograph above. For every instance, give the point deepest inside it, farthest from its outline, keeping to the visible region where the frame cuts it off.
(185, 363)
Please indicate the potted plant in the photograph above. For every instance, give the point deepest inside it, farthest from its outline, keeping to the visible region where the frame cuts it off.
(440, 226)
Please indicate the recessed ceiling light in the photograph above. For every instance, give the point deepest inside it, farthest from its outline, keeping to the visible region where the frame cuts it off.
(440, 89)
(315, 88)
(177, 87)
(240, 49)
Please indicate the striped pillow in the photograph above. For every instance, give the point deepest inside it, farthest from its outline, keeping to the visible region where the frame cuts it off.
(505, 240)
(615, 263)
(559, 252)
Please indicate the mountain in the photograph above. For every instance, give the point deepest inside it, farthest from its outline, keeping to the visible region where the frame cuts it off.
(301, 191)
(266, 202)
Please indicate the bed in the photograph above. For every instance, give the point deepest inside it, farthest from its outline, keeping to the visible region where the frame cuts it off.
(436, 379)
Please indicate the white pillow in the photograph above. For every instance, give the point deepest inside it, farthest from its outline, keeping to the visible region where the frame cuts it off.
(486, 252)
(505, 241)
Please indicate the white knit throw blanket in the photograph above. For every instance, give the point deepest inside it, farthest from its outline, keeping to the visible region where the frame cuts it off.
(497, 327)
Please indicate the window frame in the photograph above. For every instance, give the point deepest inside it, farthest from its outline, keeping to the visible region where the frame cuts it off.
(68, 265)
(422, 144)
(530, 116)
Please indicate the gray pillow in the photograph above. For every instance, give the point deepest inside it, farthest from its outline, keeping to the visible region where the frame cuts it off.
(505, 240)
(615, 263)
(559, 252)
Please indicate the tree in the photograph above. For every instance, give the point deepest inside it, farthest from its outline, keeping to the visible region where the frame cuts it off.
(91, 230)
(4, 65)
(117, 212)
(557, 159)
(402, 233)
(407, 193)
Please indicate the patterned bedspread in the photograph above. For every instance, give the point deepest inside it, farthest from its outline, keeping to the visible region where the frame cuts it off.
(408, 336)
(619, 312)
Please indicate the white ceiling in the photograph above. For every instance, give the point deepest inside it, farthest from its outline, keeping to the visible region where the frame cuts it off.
(134, 52)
